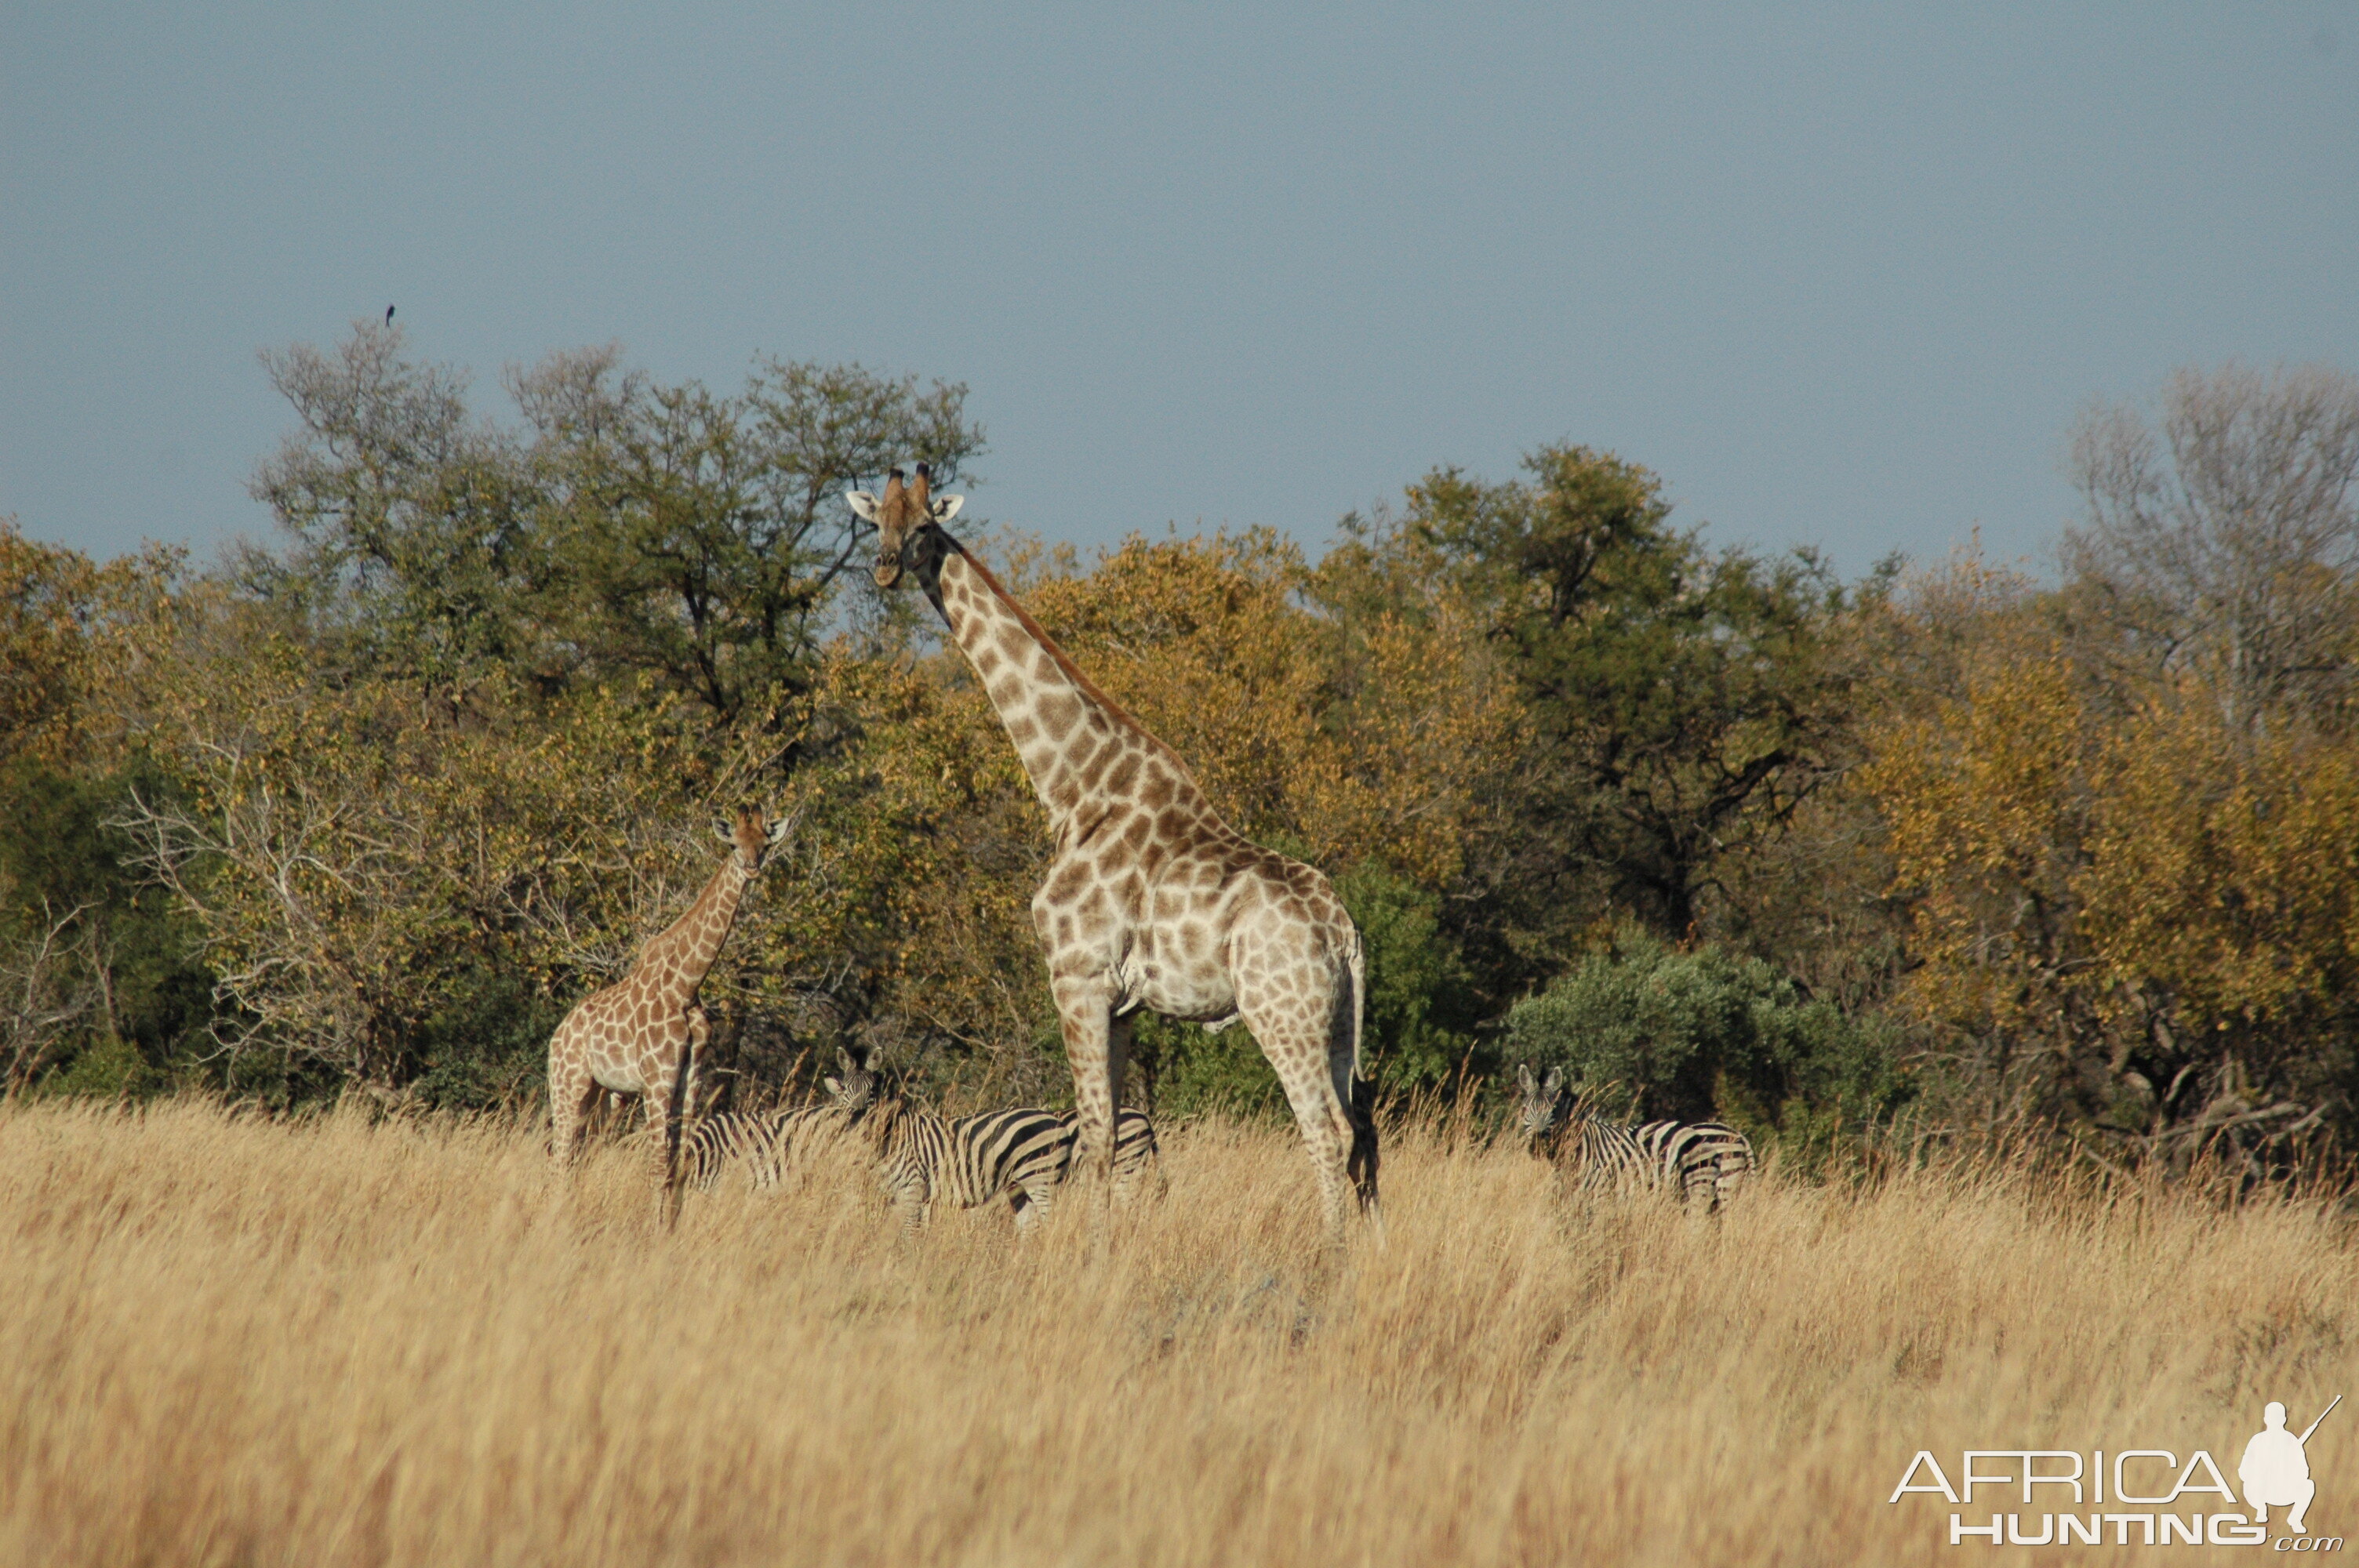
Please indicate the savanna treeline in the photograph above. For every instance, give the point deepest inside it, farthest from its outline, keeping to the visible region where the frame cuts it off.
(1952, 850)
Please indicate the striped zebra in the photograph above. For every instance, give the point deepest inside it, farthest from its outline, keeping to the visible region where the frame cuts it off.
(1025, 1155)
(1690, 1160)
(767, 1141)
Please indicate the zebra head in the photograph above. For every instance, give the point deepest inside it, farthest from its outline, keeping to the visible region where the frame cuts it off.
(1540, 1110)
(855, 1090)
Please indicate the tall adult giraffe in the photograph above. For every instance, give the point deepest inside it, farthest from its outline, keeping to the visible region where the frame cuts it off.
(643, 1034)
(1151, 901)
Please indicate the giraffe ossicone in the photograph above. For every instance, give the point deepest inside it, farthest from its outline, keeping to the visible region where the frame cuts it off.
(1152, 902)
(643, 1034)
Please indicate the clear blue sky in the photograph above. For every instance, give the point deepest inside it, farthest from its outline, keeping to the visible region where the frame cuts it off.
(1841, 274)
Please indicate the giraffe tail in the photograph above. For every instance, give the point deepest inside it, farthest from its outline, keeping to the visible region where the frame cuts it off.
(1361, 1105)
(1356, 963)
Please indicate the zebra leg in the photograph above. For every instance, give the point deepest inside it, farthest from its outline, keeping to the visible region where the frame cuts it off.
(1031, 1201)
(909, 1199)
(1735, 1167)
(1700, 1179)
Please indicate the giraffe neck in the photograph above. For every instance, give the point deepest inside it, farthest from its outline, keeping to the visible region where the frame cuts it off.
(1066, 731)
(676, 962)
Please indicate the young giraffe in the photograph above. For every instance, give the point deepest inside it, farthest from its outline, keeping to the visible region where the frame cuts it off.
(643, 1035)
(1152, 901)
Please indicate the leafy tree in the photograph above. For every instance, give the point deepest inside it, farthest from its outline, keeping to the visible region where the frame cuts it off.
(629, 526)
(357, 857)
(96, 987)
(74, 637)
(411, 544)
(98, 993)
(1682, 703)
(2133, 919)
(1988, 798)
(2222, 909)
(703, 537)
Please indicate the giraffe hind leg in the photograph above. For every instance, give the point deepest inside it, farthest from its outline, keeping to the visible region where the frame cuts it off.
(1297, 1046)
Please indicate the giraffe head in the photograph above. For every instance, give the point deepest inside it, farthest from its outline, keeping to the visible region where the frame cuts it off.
(752, 835)
(905, 518)
(1542, 1104)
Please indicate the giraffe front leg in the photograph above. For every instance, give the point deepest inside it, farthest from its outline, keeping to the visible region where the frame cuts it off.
(699, 1033)
(655, 1108)
(666, 1122)
(571, 1090)
(1118, 1026)
(1084, 1011)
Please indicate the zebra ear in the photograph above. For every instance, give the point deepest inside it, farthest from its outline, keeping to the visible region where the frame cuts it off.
(1524, 1076)
(1553, 1082)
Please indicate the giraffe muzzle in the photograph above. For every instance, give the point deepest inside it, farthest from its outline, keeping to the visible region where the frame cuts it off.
(888, 570)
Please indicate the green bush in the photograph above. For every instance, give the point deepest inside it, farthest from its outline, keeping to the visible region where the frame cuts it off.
(1702, 1033)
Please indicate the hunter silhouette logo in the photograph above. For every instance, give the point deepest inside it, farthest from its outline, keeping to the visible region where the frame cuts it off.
(2275, 1472)
(2137, 1495)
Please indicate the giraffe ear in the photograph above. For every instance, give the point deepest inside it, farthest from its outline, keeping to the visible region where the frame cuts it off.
(723, 831)
(863, 502)
(778, 830)
(946, 507)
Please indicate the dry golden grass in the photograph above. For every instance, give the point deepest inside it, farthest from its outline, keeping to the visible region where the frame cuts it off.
(226, 1340)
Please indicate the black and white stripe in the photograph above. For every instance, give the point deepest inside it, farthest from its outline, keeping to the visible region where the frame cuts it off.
(1694, 1160)
(1024, 1155)
(1136, 1156)
(766, 1142)
(1706, 1161)
(769, 1141)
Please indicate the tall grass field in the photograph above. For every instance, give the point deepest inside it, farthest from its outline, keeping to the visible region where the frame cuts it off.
(226, 1339)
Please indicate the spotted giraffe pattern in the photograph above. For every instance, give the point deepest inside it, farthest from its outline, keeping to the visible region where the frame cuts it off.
(643, 1034)
(1151, 900)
